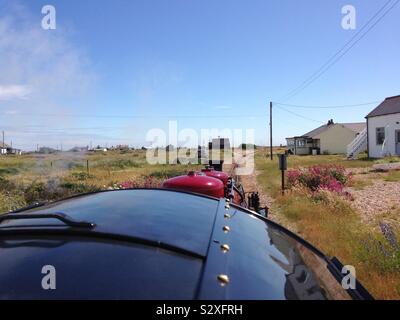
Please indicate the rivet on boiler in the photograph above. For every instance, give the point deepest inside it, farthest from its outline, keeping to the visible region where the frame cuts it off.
(223, 279)
(225, 248)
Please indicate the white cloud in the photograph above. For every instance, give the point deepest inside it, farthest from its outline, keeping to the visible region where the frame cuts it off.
(41, 71)
(9, 92)
(42, 63)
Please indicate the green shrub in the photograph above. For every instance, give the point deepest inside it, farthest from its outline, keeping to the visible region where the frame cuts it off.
(330, 177)
(6, 185)
(166, 174)
(119, 164)
(10, 202)
(76, 188)
(4, 171)
(378, 252)
(82, 176)
(35, 192)
(39, 191)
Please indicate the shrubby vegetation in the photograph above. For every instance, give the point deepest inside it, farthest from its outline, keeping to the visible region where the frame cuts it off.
(26, 180)
(322, 177)
(315, 208)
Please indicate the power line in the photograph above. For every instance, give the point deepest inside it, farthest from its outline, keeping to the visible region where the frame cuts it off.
(299, 115)
(327, 107)
(337, 56)
(325, 67)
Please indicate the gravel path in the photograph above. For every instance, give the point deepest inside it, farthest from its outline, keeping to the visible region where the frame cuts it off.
(250, 184)
(387, 166)
(378, 198)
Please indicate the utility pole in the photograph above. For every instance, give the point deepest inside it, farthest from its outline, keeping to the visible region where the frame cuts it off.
(270, 129)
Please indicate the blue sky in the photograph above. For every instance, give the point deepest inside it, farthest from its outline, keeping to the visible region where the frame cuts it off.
(185, 60)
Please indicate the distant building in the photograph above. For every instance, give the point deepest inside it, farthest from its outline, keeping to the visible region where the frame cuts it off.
(170, 147)
(99, 149)
(16, 152)
(79, 149)
(202, 155)
(47, 150)
(121, 147)
(383, 124)
(330, 138)
(6, 149)
(219, 143)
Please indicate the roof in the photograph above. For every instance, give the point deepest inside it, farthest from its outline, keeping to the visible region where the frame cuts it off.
(218, 140)
(355, 127)
(391, 105)
(317, 131)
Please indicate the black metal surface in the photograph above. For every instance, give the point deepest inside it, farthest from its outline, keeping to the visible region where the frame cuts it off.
(160, 244)
(253, 201)
(57, 215)
(216, 164)
(282, 160)
(94, 269)
(360, 293)
(263, 262)
(174, 218)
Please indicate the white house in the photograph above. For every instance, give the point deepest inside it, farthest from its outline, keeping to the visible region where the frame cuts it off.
(383, 129)
(330, 138)
(6, 149)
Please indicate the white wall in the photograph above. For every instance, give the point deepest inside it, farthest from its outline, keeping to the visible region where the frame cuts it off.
(335, 139)
(391, 122)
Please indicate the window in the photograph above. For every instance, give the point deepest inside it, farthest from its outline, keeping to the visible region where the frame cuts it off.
(380, 135)
(300, 143)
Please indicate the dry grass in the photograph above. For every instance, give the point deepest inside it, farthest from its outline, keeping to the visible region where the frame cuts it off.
(360, 183)
(392, 176)
(33, 178)
(334, 227)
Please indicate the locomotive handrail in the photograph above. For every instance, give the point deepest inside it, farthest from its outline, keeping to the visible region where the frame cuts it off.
(57, 215)
(95, 234)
